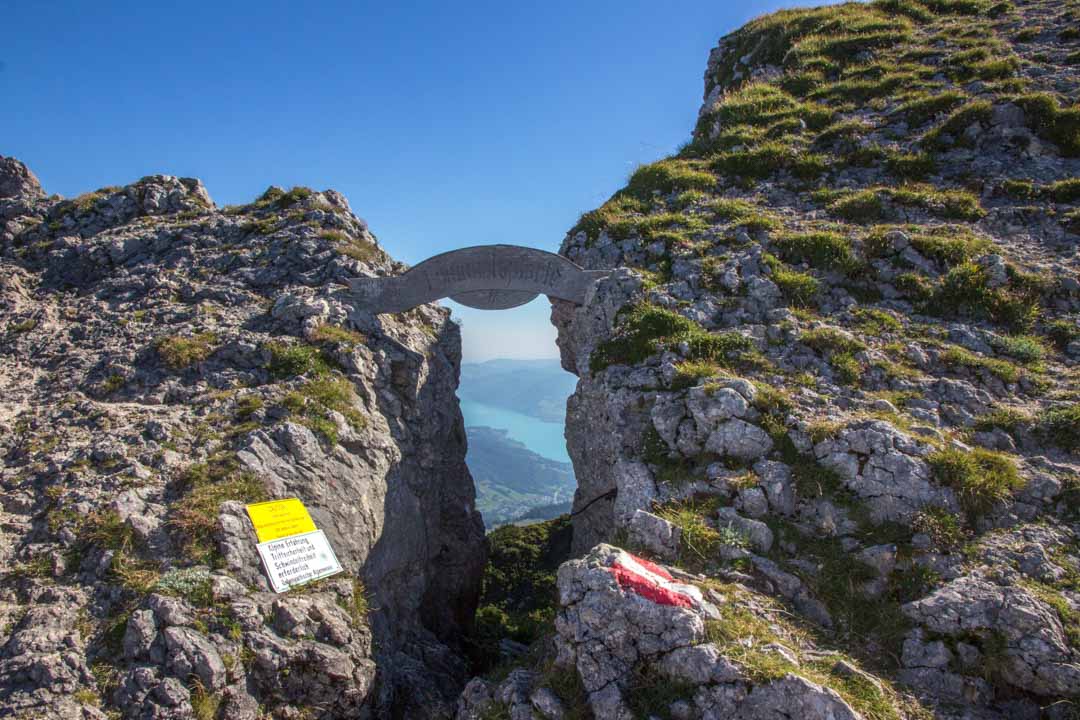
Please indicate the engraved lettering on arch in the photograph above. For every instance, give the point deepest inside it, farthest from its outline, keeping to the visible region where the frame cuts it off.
(488, 277)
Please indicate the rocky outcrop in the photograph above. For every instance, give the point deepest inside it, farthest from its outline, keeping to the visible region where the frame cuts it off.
(166, 361)
(840, 347)
(1034, 653)
(16, 180)
(643, 643)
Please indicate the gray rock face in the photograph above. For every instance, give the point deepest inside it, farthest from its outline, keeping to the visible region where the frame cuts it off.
(831, 428)
(598, 455)
(16, 180)
(1036, 658)
(190, 653)
(44, 656)
(756, 532)
(608, 629)
(739, 439)
(884, 467)
(655, 534)
(213, 354)
(794, 696)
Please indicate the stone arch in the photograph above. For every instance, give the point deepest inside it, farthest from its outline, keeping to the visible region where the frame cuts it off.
(486, 277)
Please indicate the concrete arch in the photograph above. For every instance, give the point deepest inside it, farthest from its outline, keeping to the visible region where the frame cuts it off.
(486, 277)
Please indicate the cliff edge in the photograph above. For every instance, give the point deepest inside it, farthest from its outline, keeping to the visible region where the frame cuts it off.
(828, 397)
(165, 361)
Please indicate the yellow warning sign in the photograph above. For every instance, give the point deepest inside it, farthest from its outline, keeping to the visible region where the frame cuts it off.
(280, 518)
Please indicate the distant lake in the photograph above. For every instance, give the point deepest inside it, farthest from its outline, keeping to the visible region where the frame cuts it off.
(543, 438)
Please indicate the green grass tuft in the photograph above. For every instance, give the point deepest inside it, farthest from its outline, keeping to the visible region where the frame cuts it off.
(877, 322)
(828, 340)
(982, 479)
(204, 704)
(954, 126)
(668, 176)
(965, 291)
(910, 166)
(1050, 121)
(1063, 190)
(1062, 333)
(179, 352)
(313, 402)
(768, 158)
(923, 108)
(799, 289)
(869, 205)
(821, 250)
(908, 8)
(205, 487)
(644, 329)
(958, 357)
(941, 525)
(1061, 426)
(1026, 349)
(288, 361)
(337, 335)
(957, 7)
(741, 212)
(700, 541)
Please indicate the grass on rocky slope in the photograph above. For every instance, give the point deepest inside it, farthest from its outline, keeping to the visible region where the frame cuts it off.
(840, 348)
(337, 335)
(324, 390)
(879, 204)
(313, 402)
(1061, 426)
(644, 329)
(956, 357)
(179, 352)
(887, 134)
(205, 486)
(982, 479)
(750, 631)
(104, 530)
(797, 38)
(700, 540)
(1060, 125)
(946, 245)
(966, 291)
(287, 361)
(798, 288)
(666, 177)
(820, 250)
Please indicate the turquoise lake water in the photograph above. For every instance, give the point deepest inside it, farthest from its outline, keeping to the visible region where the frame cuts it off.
(543, 438)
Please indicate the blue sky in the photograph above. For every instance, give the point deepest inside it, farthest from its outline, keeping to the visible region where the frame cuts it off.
(446, 125)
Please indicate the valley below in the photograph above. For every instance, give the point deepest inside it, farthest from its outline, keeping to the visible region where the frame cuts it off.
(514, 413)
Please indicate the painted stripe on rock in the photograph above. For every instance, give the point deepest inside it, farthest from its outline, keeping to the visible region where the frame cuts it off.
(652, 582)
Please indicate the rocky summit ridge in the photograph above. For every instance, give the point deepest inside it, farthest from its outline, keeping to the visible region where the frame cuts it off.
(165, 361)
(825, 430)
(833, 381)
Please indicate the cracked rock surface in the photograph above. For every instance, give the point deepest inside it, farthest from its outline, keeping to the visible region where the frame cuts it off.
(165, 361)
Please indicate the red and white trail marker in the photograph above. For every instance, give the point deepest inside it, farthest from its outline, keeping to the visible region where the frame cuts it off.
(652, 582)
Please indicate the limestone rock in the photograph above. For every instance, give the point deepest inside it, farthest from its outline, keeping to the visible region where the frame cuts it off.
(654, 533)
(175, 350)
(1037, 658)
(17, 181)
